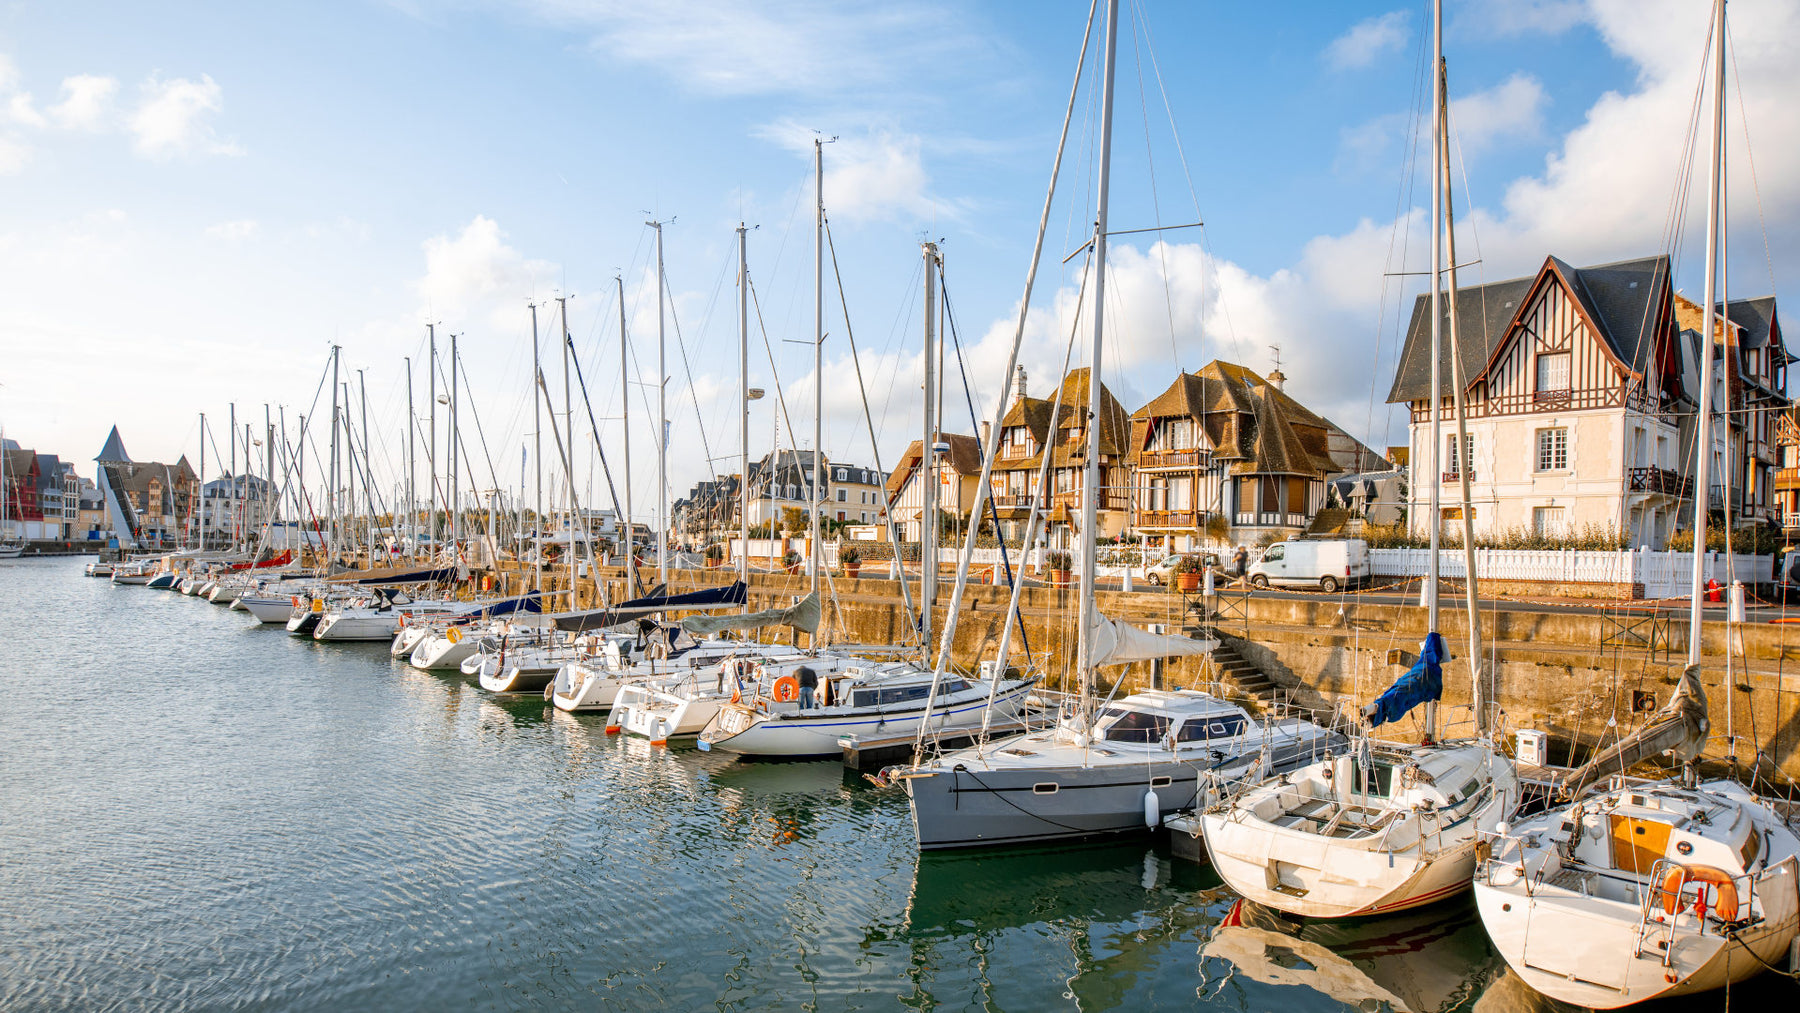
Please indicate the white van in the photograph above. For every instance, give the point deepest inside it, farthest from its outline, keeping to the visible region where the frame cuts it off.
(1326, 564)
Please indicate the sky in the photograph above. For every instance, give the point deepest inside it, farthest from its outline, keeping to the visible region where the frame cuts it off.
(207, 197)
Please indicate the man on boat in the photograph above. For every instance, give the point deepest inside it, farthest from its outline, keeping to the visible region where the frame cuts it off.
(809, 683)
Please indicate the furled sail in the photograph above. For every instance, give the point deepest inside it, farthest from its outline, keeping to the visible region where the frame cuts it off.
(1423, 683)
(1116, 643)
(803, 615)
(712, 597)
(1679, 727)
(395, 575)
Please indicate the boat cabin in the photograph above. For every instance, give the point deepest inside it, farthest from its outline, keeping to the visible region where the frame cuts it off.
(1184, 716)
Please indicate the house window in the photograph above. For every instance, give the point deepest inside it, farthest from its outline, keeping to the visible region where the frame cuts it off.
(1553, 449)
(1181, 493)
(843, 496)
(1552, 371)
(1547, 520)
(1453, 461)
(843, 473)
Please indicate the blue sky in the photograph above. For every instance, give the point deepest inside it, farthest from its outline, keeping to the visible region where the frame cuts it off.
(207, 196)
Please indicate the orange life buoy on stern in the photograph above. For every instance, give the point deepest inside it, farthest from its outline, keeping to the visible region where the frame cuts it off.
(787, 689)
(1724, 895)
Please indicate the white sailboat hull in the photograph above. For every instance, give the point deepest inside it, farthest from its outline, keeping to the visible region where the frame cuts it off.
(794, 735)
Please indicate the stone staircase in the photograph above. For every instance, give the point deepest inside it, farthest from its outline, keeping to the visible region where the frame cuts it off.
(1234, 669)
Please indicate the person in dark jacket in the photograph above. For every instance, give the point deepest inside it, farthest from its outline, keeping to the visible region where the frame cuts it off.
(809, 684)
(1241, 561)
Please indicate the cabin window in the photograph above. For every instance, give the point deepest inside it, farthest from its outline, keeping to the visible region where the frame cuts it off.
(1553, 449)
(1375, 780)
(1133, 726)
(1552, 371)
(1218, 726)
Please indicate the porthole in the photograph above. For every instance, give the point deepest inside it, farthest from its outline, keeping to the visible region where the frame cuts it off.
(1685, 847)
(1045, 788)
(1161, 782)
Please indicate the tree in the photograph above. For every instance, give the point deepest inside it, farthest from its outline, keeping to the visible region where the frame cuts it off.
(794, 520)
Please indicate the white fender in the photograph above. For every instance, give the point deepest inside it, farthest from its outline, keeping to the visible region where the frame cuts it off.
(1152, 808)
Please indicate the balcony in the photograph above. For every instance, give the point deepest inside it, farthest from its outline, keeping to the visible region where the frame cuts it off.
(1456, 477)
(1659, 480)
(1553, 398)
(1174, 459)
(1790, 521)
(1787, 479)
(1167, 519)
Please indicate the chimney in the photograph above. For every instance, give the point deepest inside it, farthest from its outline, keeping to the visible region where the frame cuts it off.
(1019, 386)
(986, 428)
(1277, 378)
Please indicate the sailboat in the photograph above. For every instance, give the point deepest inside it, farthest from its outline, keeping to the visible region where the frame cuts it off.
(1638, 888)
(1390, 826)
(1103, 768)
(12, 545)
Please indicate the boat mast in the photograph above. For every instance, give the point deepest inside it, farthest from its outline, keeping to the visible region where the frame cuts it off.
(537, 452)
(1465, 462)
(412, 504)
(231, 469)
(562, 305)
(1703, 430)
(928, 462)
(662, 420)
(1435, 473)
(362, 391)
(744, 409)
(1090, 483)
(629, 534)
(200, 508)
(431, 449)
(818, 469)
(455, 457)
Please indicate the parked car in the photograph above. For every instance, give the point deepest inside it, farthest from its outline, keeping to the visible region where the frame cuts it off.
(1326, 564)
(1163, 571)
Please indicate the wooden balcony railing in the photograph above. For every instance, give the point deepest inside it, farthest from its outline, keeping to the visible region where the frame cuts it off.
(1456, 477)
(1173, 459)
(1660, 480)
(1787, 479)
(1167, 519)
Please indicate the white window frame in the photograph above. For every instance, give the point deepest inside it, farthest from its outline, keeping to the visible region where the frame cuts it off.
(1554, 451)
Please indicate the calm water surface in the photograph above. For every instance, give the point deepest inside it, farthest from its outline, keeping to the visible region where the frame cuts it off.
(204, 813)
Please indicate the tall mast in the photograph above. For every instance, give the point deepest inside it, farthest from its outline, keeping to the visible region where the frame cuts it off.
(537, 451)
(269, 501)
(331, 500)
(412, 504)
(200, 508)
(562, 305)
(1434, 474)
(662, 421)
(928, 462)
(455, 458)
(744, 408)
(362, 393)
(1464, 459)
(1090, 483)
(232, 471)
(1703, 430)
(431, 450)
(625, 422)
(818, 468)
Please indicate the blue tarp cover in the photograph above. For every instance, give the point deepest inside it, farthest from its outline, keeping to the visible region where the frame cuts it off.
(504, 607)
(1422, 683)
(712, 597)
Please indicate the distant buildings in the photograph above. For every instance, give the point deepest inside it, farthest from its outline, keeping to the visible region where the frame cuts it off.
(778, 482)
(146, 502)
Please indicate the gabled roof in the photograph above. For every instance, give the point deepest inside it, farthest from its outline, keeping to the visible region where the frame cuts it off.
(1034, 413)
(114, 450)
(1756, 319)
(1248, 420)
(1619, 301)
(965, 460)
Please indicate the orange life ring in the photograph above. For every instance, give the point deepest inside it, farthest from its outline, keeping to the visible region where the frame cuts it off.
(786, 690)
(1724, 891)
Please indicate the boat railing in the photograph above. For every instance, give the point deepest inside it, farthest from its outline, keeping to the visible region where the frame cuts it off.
(1662, 908)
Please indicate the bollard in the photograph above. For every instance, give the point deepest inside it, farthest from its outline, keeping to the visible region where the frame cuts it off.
(1127, 577)
(1736, 612)
(1206, 583)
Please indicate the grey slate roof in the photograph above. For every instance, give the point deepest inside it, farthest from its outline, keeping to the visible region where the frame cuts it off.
(1757, 318)
(1626, 316)
(114, 451)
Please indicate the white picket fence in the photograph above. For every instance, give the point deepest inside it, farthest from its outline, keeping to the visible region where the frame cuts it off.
(1662, 574)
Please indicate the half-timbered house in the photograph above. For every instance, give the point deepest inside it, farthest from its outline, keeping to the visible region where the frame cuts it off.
(1027, 431)
(1575, 389)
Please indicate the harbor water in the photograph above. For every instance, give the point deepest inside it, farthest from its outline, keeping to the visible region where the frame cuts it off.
(204, 813)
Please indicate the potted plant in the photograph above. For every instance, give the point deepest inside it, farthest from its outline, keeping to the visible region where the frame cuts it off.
(1059, 569)
(1188, 571)
(715, 555)
(791, 560)
(850, 558)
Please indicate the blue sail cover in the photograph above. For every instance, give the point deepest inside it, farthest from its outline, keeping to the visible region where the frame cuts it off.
(713, 597)
(504, 607)
(1422, 683)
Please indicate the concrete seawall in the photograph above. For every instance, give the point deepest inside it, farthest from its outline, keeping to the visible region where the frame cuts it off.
(1564, 673)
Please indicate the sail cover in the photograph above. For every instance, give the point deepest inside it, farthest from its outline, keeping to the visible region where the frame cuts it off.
(395, 575)
(1422, 683)
(803, 615)
(712, 597)
(504, 607)
(1116, 643)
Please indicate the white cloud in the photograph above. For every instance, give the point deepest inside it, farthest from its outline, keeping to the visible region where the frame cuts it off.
(14, 154)
(175, 118)
(476, 276)
(878, 174)
(1505, 18)
(741, 47)
(233, 231)
(87, 102)
(1510, 110)
(1368, 40)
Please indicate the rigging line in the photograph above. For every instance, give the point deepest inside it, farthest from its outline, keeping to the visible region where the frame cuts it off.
(606, 469)
(1750, 155)
(1162, 246)
(975, 421)
(693, 393)
(869, 419)
(493, 476)
(780, 394)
